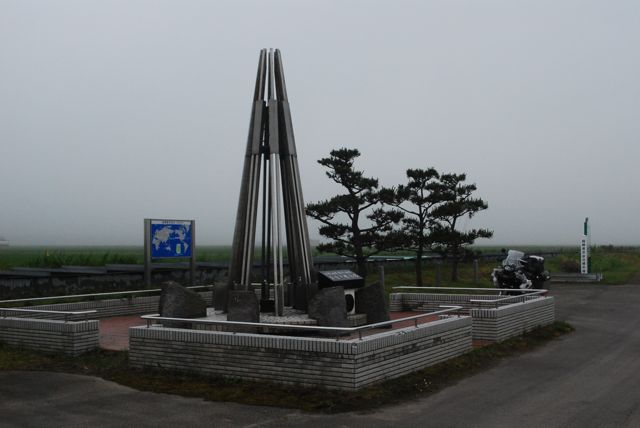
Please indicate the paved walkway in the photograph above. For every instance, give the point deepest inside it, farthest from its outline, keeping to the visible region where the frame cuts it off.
(114, 332)
(590, 378)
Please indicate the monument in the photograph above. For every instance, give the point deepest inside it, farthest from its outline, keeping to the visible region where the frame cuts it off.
(271, 190)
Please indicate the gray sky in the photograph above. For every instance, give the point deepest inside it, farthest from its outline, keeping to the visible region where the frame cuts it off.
(113, 111)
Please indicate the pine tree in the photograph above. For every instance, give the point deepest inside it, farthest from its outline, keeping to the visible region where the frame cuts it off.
(456, 203)
(357, 222)
(416, 199)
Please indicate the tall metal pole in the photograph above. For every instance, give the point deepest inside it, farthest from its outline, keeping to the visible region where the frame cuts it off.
(147, 252)
(298, 245)
(265, 269)
(271, 146)
(193, 253)
(244, 233)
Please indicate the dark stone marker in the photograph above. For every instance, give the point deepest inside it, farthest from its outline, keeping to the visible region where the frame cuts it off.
(268, 305)
(177, 301)
(243, 306)
(372, 301)
(220, 296)
(302, 296)
(329, 308)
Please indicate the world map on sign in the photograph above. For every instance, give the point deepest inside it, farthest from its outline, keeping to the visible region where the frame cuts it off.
(171, 240)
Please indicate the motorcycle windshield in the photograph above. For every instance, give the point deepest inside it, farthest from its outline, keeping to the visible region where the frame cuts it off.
(513, 258)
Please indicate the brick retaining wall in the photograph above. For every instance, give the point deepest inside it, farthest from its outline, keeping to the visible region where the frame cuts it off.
(71, 338)
(343, 364)
(512, 320)
(492, 324)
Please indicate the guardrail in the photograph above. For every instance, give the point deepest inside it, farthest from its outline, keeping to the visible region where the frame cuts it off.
(66, 314)
(576, 277)
(112, 293)
(425, 289)
(156, 317)
(114, 269)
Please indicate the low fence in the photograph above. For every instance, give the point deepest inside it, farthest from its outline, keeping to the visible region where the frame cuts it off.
(26, 283)
(498, 324)
(576, 277)
(428, 301)
(346, 363)
(494, 317)
(63, 327)
(29, 282)
(129, 304)
(57, 336)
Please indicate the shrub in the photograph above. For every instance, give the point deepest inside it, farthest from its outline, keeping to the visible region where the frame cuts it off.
(569, 265)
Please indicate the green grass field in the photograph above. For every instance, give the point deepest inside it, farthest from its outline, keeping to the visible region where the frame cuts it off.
(54, 257)
(617, 264)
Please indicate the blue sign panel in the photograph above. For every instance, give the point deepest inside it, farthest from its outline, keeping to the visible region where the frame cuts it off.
(170, 239)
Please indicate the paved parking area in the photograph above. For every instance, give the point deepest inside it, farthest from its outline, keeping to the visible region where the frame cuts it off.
(589, 378)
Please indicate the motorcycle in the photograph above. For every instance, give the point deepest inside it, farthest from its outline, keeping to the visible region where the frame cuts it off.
(520, 271)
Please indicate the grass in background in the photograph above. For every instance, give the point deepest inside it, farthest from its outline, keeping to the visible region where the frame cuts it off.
(55, 257)
(404, 274)
(618, 264)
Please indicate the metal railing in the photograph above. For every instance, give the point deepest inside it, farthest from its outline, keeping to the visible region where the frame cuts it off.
(525, 295)
(426, 289)
(66, 314)
(111, 293)
(511, 299)
(337, 330)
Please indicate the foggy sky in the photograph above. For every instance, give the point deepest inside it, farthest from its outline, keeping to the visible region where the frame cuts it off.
(114, 111)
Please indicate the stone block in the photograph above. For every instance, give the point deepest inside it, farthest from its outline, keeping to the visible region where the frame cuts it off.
(301, 294)
(329, 308)
(220, 297)
(372, 301)
(243, 306)
(177, 301)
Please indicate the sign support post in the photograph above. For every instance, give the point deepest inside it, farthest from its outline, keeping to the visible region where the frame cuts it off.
(585, 248)
(147, 252)
(193, 253)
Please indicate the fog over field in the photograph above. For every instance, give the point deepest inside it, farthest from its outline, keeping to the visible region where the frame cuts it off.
(113, 111)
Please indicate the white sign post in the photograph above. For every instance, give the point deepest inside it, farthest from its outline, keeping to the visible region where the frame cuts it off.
(584, 256)
(585, 244)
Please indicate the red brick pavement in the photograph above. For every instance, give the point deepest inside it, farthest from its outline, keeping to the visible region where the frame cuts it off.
(114, 332)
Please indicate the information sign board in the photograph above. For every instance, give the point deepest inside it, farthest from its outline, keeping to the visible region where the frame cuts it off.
(170, 238)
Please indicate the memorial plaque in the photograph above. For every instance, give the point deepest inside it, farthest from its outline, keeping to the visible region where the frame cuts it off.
(344, 278)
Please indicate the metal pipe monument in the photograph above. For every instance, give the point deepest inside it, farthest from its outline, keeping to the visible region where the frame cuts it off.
(271, 184)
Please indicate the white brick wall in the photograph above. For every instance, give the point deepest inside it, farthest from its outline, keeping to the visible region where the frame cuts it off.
(489, 323)
(71, 338)
(512, 320)
(343, 364)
